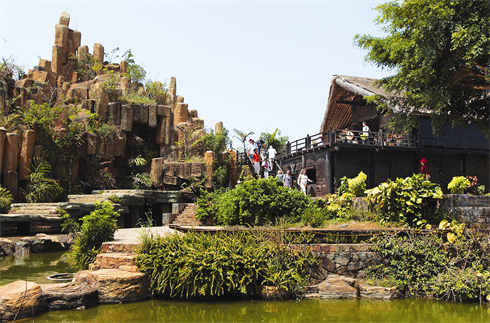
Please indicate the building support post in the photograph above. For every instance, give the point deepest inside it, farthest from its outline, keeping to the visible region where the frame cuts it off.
(329, 171)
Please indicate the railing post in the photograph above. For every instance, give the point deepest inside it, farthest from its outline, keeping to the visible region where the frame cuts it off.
(308, 142)
(288, 148)
(380, 137)
(330, 136)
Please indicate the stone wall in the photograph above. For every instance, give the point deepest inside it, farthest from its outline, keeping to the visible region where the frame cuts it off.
(474, 209)
(341, 259)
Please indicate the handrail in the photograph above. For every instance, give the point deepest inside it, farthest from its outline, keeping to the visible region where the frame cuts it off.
(351, 137)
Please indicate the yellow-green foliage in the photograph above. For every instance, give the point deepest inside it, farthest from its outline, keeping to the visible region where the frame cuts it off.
(458, 184)
(192, 264)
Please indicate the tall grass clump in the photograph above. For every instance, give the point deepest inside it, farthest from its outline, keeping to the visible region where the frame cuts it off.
(225, 264)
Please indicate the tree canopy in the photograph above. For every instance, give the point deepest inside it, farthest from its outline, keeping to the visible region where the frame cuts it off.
(439, 51)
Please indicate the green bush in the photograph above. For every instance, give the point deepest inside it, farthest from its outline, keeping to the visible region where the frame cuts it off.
(254, 202)
(410, 201)
(355, 186)
(6, 199)
(458, 185)
(97, 227)
(463, 285)
(192, 265)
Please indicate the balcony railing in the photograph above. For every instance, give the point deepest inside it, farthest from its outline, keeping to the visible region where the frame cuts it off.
(340, 137)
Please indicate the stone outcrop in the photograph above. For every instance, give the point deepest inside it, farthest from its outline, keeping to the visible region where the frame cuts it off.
(115, 285)
(20, 299)
(334, 287)
(115, 260)
(68, 295)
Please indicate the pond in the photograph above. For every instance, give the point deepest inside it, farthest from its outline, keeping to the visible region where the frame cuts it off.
(312, 310)
(35, 267)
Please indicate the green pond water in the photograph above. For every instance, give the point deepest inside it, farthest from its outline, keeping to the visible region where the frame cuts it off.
(37, 267)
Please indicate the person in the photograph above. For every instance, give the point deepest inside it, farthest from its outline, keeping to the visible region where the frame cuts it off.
(287, 180)
(266, 166)
(347, 135)
(365, 132)
(251, 147)
(303, 180)
(424, 169)
(260, 142)
(272, 156)
(263, 152)
(256, 160)
(280, 175)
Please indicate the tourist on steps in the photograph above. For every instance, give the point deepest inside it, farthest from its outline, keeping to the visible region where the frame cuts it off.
(256, 161)
(272, 156)
(266, 166)
(424, 169)
(287, 180)
(303, 180)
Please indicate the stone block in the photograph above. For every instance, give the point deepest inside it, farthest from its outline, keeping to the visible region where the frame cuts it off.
(99, 53)
(170, 180)
(45, 64)
(218, 127)
(126, 117)
(3, 135)
(198, 122)
(11, 152)
(79, 91)
(164, 111)
(377, 292)
(140, 113)
(125, 84)
(25, 83)
(124, 67)
(77, 39)
(197, 169)
(20, 299)
(57, 59)
(68, 295)
(43, 77)
(26, 152)
(61, 37)
(181, 113)
(179, 99)
(91, 143)
(116, 286)
(193, 113)
(82, 52)
(70, 47)
(115, 260)
(152, 116)
(99, 94)
(172, 86)
(64, 19)
(114, 113)
(169, 169)
(11, 183)
(157, 171)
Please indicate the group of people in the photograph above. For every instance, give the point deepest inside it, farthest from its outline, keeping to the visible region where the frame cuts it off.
(287, 179)
(347, 135)
(261, 155)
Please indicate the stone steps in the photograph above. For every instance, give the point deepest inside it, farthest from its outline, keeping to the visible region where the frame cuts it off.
(36, 208)
(187, 217)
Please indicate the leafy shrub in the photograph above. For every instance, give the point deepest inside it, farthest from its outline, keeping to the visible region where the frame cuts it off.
(41, 188)
(6, 199)
(253, 202)
(410, 262)
(97, 227)
(463, 285)
(355, 186)
(458, 185)
(475, 188)
(409, 201)
(192, 265)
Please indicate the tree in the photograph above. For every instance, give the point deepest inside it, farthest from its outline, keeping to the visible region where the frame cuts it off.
(275, 139)
(242, 136)
(440, 53)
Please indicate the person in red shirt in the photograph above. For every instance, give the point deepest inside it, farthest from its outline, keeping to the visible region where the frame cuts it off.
(256, 160)
(424, 169)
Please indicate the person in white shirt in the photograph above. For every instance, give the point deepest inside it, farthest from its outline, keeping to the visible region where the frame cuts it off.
(365, 132)
(303, 180)
(272, 156)
(251, 147)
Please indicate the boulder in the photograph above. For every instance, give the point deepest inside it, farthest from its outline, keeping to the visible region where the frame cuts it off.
(68, 295)
(11, 152)
(181, 113)
(79, 91)
(99, 53)
(48, 243)
(115, 285)
(21, 299)
(7, 247)
(377, 292)
(3, 135)
(124, 66)
(218, 127)
(334, 287)
(115, 260)
(152, 116)
(126, 117)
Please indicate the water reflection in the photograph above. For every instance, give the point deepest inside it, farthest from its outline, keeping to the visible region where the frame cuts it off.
(318, 310)
(35, 267)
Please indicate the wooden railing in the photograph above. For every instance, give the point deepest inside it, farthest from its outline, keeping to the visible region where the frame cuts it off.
(351, 137)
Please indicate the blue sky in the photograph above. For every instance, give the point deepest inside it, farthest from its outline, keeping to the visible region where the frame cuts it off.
(254, 65)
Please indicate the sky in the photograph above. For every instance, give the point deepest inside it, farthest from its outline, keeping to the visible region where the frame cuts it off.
(254, 65)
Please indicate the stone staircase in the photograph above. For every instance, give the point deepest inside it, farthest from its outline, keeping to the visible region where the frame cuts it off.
(187, 216)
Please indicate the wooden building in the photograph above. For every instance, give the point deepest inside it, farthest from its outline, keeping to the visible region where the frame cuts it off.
(336, 152)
